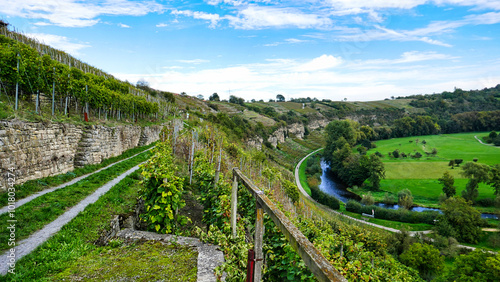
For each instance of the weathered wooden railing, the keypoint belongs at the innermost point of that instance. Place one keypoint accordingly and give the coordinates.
(312, 258)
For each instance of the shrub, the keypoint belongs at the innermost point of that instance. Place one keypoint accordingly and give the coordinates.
(323, 198)
(424, 258)
(486, 202)
(395, 153)
(291, 190)
(368, 199)
(388, 199)
(395, 215)
(405, 199)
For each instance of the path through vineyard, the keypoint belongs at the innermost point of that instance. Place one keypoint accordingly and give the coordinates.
(77, 179)
(29, 244)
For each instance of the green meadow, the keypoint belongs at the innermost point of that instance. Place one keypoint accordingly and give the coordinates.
(420, 174)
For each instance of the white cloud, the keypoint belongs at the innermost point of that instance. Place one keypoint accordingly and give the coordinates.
(409, 4)
(287, 41)
(123, 25)
(329, 78)
(73, 13)
(162, 25)
(195, 61)
(213, 18)
(259, 17)
(321, 63)
(59, 42)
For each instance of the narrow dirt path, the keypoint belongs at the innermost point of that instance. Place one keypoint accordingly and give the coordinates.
(38, 194)
(27, 245)
(480, 141)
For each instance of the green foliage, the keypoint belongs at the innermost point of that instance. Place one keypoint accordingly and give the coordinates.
(351, 169)
(405, 199)
(494, 178)
(38, 72)
(368, 199)
(323, 198)
(478, 265)
(459, 220)
(291, 190)
(399, 242)
(477, 173)
(401, 215)
(424, 258)
(447, 181)
(162, 192)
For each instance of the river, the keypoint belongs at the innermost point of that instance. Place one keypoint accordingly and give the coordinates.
(333, 187)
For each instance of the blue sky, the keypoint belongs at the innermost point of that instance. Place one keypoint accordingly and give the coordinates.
(331, 49)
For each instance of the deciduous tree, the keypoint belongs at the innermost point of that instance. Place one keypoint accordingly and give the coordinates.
(447, 181)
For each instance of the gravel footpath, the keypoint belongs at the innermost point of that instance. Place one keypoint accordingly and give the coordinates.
(27, 245)
(36, 195)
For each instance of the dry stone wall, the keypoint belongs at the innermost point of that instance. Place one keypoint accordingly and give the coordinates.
(36, 150)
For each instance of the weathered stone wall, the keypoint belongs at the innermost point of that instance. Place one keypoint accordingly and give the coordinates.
(36, 150)
(100, 142)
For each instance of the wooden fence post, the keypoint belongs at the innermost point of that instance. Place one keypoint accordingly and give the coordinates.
(258, 240)
(234, 205)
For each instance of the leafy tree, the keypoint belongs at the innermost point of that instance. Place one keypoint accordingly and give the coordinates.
(477, 265)
(476, 173)
(400, 242)
(494, 178)
(459, 220)
(214, 97)
(395, 153)
(424, 258)
(405, 199)
(447, 181)
(236, 100)
(376, 171)
(280, 98)
(493, 135)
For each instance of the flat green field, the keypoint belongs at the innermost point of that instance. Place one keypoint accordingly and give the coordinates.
(420, 175)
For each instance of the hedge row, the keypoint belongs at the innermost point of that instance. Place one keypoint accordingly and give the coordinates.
(401, 215)
(323, 198)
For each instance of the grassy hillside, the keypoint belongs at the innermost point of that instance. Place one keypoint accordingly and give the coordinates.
(420, 174)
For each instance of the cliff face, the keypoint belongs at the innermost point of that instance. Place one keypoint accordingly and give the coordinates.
(36, 150)
(279, 136)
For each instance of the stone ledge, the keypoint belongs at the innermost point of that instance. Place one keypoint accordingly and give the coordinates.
(208, 255)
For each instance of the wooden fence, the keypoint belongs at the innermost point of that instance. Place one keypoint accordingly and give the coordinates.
(312, 258)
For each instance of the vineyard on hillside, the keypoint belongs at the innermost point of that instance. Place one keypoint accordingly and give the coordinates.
(32, 73)
(201, 156)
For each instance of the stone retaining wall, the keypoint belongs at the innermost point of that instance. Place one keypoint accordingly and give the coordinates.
(36, 150)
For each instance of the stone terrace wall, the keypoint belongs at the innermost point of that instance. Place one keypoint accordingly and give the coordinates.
(37, 150)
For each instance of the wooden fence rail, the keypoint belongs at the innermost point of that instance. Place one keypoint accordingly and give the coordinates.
(312, 258)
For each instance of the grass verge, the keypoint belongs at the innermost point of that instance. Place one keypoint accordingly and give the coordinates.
(32, 186)
(76, 239)
(143, 261)
(37, 213)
